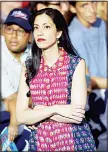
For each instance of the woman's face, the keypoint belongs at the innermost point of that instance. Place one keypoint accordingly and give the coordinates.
(45, 32)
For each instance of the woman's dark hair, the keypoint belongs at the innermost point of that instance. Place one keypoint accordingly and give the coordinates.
(60, 23)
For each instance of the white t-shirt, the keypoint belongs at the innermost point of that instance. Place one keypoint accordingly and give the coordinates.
(10, 70)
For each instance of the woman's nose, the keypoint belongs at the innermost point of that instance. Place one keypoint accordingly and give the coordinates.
(40, 32)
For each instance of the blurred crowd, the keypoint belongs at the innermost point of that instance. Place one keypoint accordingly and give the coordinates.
(64, 7)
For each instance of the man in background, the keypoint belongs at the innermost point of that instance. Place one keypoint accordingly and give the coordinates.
(89, 37)
(15, 48)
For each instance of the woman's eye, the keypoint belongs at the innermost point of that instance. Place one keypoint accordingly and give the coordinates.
(35, 28)
(47, 27)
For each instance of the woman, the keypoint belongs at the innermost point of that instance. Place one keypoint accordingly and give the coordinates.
(56, 79)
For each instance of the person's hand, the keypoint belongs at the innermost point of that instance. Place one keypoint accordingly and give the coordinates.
(32, 127)
(74, 112)
(8, 149)
(12, 131)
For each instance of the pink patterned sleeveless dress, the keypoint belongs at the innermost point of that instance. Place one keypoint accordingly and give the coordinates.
(52, 85)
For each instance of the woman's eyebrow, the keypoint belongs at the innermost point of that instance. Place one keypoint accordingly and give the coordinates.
(42, 24)
(36, 25)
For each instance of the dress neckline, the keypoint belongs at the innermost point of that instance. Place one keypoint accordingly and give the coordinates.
(54, 65)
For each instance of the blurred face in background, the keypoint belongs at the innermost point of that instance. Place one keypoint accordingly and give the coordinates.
(6, 7)
(16, 38)
(63, 7)
(86, 12)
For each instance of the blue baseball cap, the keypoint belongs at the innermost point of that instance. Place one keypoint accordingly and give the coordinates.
(19, 16)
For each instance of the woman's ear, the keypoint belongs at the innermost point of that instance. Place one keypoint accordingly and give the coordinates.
(59, 33)
(72, 9)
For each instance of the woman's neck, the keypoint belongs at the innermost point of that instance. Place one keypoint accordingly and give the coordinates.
(51, 55)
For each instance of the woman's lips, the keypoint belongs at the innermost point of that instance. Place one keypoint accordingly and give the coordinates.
(40, 40)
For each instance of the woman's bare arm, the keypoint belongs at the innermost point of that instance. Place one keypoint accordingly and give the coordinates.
(76, 109)
(23, 113)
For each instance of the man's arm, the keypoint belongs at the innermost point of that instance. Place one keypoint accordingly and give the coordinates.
(99, 83)
(12, 108)
(10, 103)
